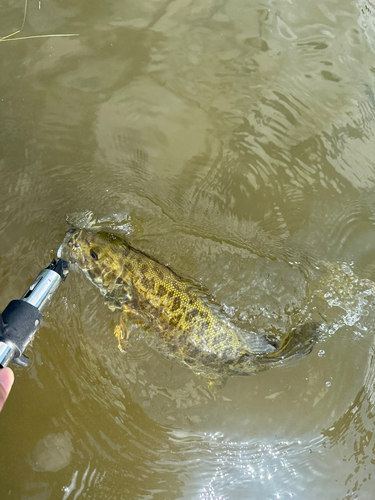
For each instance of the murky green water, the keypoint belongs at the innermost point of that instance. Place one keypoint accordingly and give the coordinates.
(234, 141)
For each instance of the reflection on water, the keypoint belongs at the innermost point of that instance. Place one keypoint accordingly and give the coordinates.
(233, 141)
(52, 453)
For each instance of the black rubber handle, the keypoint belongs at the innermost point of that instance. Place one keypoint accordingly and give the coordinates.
(18, 324)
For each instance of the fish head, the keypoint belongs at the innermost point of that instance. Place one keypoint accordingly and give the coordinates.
(100, 255)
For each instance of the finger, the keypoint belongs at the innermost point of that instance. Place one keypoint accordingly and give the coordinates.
(6, 382)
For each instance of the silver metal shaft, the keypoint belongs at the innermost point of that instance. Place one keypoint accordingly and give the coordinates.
(6, 354)
(41, 291)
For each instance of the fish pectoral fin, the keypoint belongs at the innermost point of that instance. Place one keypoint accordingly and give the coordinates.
(122, 335)
(131, 315)
(123, 329)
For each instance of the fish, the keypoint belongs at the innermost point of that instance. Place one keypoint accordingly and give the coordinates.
(180, 319)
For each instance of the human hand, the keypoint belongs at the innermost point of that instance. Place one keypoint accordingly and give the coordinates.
(6, 382)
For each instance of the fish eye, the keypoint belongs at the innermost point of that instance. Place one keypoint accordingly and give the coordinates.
(93, 255)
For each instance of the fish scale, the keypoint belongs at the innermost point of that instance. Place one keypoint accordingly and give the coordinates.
(188, 326)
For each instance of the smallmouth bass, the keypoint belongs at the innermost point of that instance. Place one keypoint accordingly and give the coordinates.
(186, 324)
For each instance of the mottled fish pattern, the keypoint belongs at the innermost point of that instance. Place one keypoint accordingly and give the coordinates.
(186, 324)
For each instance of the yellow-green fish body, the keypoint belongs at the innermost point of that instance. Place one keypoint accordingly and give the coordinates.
(186, 324)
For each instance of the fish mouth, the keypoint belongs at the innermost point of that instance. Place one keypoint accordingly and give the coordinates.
(69, 247)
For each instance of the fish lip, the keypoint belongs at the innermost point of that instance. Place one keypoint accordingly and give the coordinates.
(67, 248)
(74, 265)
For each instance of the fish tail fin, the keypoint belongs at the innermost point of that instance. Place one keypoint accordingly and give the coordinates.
(259, 344)
(298, 344)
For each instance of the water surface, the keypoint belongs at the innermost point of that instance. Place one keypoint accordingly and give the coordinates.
(234, 141)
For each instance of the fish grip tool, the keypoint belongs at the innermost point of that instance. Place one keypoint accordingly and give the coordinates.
(22, 318)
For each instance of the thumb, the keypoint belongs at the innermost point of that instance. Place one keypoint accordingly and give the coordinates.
(6, 382)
